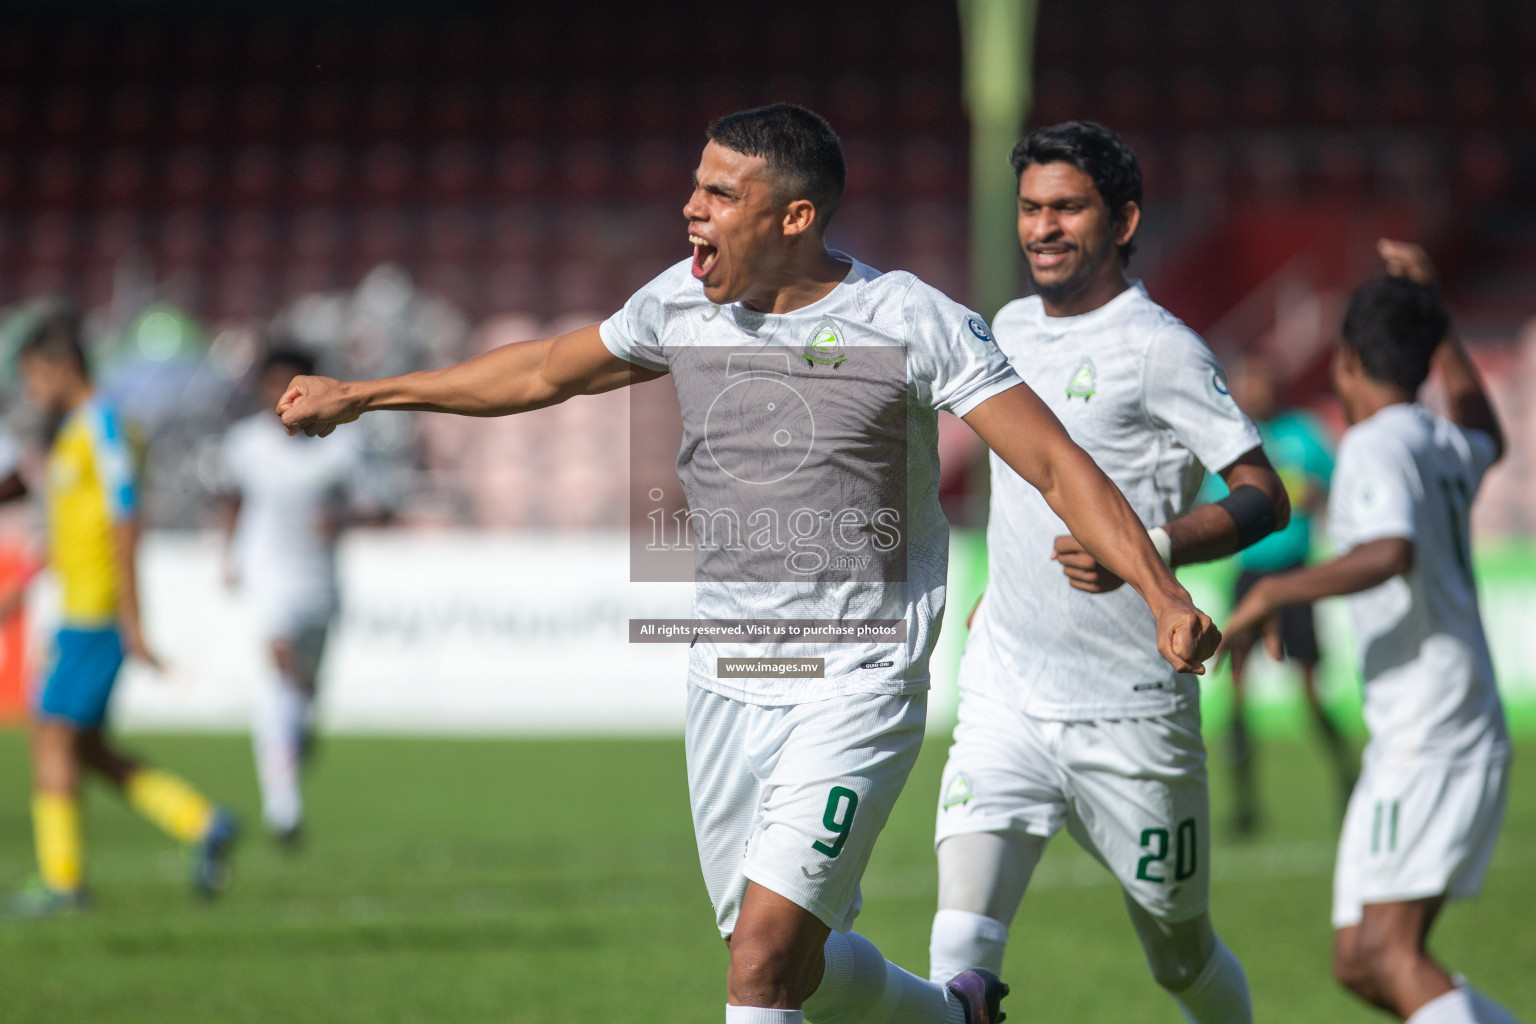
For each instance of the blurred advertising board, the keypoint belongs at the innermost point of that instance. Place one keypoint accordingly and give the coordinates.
(453, 632)
(520, 633)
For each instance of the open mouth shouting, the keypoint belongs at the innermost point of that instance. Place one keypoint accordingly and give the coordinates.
(704, 256)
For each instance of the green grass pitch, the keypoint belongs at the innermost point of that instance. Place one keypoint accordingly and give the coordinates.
(530, 881)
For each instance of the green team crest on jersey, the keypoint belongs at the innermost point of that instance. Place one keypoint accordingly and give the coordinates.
(1084, 381)
(825, 347)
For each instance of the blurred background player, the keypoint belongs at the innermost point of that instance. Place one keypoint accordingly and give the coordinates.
(286, 500)
(1297, 445)
(93, 531)
(1423, 821)
(1068, 715)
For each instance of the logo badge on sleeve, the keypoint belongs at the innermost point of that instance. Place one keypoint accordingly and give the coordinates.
(1084, 382)
(979, 329)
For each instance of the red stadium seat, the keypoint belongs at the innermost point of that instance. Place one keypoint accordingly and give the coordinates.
(51, 238)
(188, 174)
(121, 175)
(456, 110)
(114, 235)
(657, 169)
(195, 110)
(242, 290)
(324, 112)
(141, 49)
(130, 112)
(56, 176)
(518, 232)
(183, 237)
(390, 109)
(315, 234)
(585, 170)
(388, 171)
(320, 171)
(260, 111)
(13, 112)
(66, 111)
(451, 233)
(248, 235)
(454, 170)
(520, 170)
(868, 171)
(204, 49)
(255, 173)
(383, 235)
(1263, 97)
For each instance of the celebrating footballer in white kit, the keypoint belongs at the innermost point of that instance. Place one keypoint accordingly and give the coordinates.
(1424, 818)
(1068, 715)
(791, 779)
(285, 500)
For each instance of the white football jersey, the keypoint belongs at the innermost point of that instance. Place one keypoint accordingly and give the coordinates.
(936, 354)
(1143, 395)
(1429, 682)
(289, 488)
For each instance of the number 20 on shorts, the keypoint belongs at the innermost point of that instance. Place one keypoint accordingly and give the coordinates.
(837, 820)
(1155, 841)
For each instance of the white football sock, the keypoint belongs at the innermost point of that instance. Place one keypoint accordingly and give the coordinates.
(961, 941)
(859, 986)
(1454, 1007)
(761, 1015)
(1485, 1010)
(278, 733)
(1220, 994)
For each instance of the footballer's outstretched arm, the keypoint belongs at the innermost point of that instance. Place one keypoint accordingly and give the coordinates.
(1368, 565)
(1256, 506)
(1465, 397)
(513, 378)
(1027, 436)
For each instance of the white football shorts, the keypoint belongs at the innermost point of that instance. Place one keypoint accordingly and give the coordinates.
(1418, 830)
(1131, 791)
(792, 796)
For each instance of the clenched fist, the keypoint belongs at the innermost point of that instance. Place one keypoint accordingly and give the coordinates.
(316, 406)
(1186, 637)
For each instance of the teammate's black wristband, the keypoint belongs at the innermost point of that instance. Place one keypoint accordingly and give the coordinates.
(1252, 511)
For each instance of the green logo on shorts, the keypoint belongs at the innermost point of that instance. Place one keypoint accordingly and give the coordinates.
(957, 792)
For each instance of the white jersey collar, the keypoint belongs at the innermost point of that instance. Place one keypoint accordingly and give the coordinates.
(1134, 292)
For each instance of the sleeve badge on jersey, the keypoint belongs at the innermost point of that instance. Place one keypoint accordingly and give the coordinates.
(1220, 385)
(979, 329)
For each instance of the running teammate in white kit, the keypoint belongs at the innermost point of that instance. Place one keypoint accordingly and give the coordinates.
(286, 500)
(1068, 716)
(792, 779)
(1425, 815)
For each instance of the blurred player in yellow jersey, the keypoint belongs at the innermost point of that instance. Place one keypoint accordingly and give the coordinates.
(93, 529)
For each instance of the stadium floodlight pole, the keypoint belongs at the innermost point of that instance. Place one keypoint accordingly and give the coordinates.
(998, 42)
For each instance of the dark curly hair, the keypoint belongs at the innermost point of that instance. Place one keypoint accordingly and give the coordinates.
(1097, 152)
(1395, 325)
